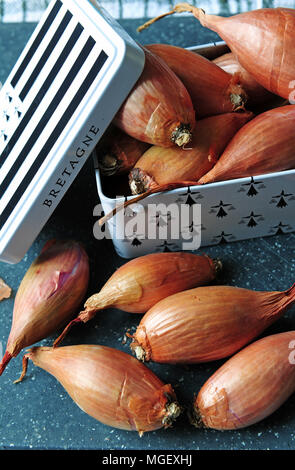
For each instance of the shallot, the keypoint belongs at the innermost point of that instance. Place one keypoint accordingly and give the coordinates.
(118, 152)
(256, 93)
(248, 387)
(48, 296)
(212, 90)
(159, 166)
(206, 323)
(109, 385)
(262, 40)
(139, 284)
(264, 145)
(159, 109)
(159, 170)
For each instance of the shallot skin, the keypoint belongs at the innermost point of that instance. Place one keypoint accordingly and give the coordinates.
(248, 387)
(109, 385)
(51, 290)
(206, 323)
(158, 110)
(212, 90)
(5, 290)
(263, 145)
(142, 282)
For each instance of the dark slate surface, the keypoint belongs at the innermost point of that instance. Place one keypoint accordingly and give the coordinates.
(38, 413)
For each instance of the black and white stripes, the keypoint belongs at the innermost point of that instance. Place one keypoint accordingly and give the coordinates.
(50, 81)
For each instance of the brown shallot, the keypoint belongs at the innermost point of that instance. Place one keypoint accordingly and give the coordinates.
(264, 145)
(256, 93)
(212, 90)
(262, 40)
(118, 152)
(248, 387)
(159, 166)
(140, 283)
(159, 109)
(159, 170)
(49, 293)
(206, 323)
(109, 385)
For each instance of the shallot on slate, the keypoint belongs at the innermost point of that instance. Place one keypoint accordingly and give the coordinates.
(139, 284)
(49, 294)
(109, 385)
(248, 387)
(206, 323)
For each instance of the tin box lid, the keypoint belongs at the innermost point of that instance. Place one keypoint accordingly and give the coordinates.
(67, 85)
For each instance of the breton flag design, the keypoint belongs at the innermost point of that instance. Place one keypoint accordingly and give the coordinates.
(40, 97)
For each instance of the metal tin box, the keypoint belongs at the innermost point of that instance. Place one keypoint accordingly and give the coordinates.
(69, 82)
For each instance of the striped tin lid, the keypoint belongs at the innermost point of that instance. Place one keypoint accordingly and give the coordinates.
(63, 92)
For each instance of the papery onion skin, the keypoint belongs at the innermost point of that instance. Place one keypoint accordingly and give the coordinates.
(111, 386)
(262, 40)
(159, 166)
(159, 109)
(264, 145)
(5, 290)
(140, 283)
(212, 90)
(206, 323)
(49, 294)
(248, 387)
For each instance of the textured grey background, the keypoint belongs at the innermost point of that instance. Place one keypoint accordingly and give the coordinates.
(38, 413)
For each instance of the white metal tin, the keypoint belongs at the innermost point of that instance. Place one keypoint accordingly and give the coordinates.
(69, 82)
(233, 210)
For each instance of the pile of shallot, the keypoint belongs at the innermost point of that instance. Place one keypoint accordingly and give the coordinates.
(185, 319)
(193, 121)
(188, 119)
